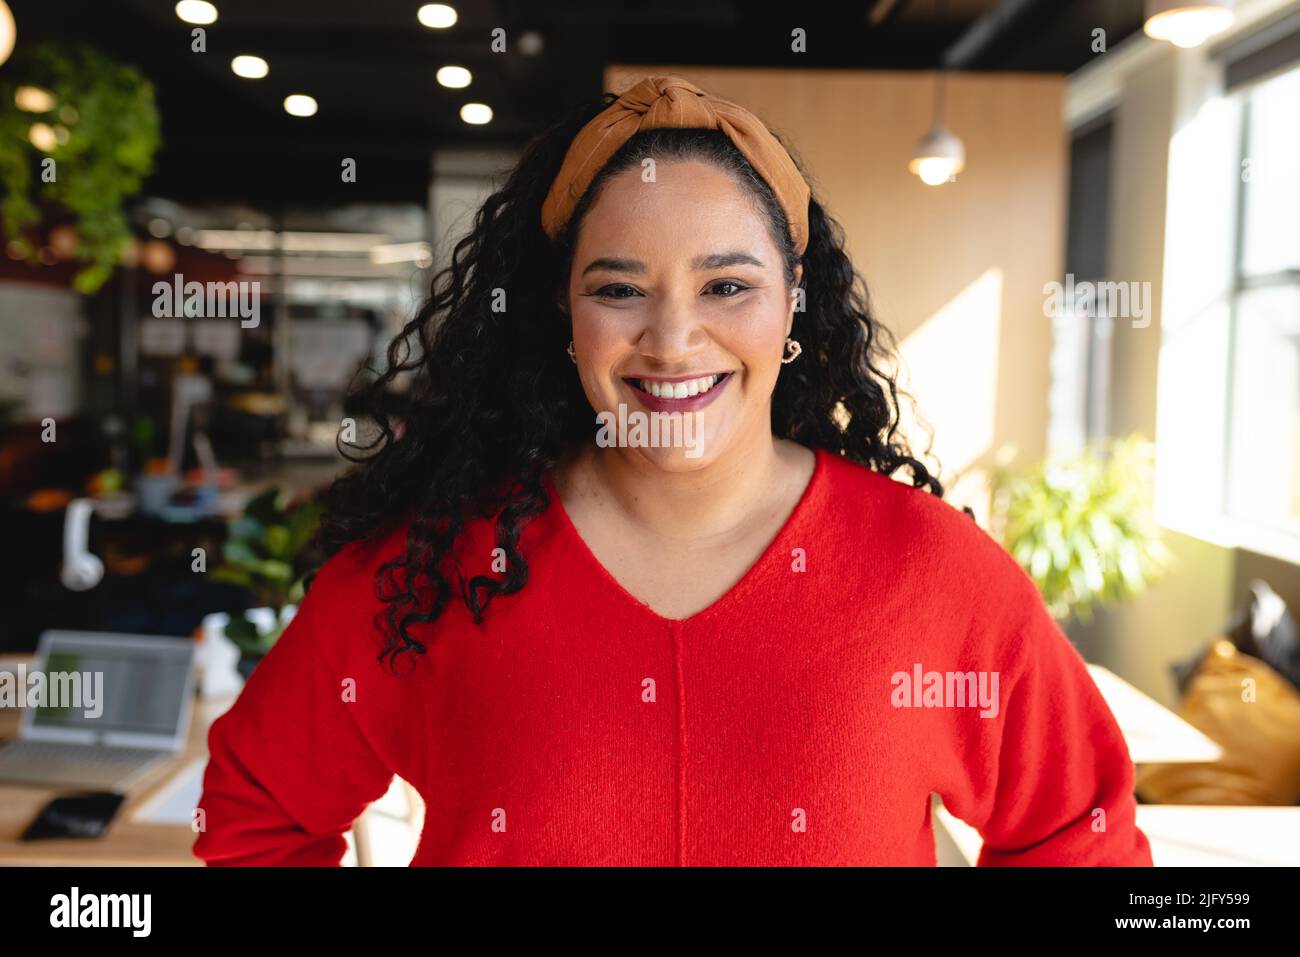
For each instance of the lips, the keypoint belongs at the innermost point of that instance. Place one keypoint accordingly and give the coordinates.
(677, 393)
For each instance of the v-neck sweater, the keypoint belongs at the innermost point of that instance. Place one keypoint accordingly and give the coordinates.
(883, 648)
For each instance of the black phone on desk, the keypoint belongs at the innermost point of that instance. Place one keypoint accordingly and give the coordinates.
(75, 815)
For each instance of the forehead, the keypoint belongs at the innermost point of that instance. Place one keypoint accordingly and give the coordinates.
(675, 210)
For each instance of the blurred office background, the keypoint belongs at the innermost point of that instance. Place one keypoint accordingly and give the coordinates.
(1138, 451)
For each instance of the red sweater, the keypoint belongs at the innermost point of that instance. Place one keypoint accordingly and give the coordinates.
(776, 727)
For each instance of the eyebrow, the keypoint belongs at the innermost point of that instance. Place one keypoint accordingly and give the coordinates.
(722, 260)
(713, 261)
(615, 265)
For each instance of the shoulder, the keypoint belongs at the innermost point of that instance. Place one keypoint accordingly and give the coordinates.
(352, 570)
(351, 584)
(916, 534)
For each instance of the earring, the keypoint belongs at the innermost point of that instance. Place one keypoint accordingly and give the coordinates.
(572, 355)
(792, 351)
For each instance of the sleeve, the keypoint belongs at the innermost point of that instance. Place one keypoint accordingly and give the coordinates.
(1059, 784)
(289, 768)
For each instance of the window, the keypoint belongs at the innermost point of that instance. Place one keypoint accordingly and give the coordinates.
(1080, 358)
(1262, 455)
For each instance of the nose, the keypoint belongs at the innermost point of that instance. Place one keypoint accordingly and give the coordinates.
(673, 331)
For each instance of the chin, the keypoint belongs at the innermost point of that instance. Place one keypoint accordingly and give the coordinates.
(675, 459)
(673, 442)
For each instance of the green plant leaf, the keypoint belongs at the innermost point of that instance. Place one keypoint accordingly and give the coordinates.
(279, 572)
(230, 573)
(278, 541)
(1082, 525)
(240, 553)
(264, 507)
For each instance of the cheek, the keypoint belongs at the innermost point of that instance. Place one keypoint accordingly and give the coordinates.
(599, 336)
(601, 342)
(755, 334)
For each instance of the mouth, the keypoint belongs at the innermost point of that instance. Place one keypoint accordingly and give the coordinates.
(678, 393)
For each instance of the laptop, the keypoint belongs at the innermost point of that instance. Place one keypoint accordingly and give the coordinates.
(114, 707)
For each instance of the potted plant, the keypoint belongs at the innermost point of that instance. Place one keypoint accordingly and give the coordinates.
(78, 134)
(266, 552)
(1082, 525)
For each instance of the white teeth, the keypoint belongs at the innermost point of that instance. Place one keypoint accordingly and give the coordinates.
(680, 390)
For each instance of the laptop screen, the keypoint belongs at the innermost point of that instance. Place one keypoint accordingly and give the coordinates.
(113, 684)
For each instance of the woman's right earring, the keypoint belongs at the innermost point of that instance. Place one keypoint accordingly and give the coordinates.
(572, 355)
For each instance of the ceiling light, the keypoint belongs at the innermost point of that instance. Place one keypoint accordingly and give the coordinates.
(196, 11)
(419, 253)
(938, 157)
(8, 32)
(530, 43)
(299, 104)
(476, 113)
(249, 67)
(33, 99)
(1187, 23)
(456, 77)
(437, 16)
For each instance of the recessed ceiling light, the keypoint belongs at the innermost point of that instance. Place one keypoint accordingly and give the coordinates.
(196, 11)
(530, 43)
(456, 77)
(249, 67)
(437, 16)
(299, 104)
(476, 113)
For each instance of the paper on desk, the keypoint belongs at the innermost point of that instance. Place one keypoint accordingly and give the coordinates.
(175, 801)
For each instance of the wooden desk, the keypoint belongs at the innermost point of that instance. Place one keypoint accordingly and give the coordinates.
(127, 842)
(1153, 733)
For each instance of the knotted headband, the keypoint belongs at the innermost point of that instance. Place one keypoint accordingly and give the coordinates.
(659, 102)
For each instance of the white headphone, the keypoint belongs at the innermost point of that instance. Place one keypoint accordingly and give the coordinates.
(81, 570)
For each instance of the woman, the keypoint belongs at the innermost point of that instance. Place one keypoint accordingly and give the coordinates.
(629, 583)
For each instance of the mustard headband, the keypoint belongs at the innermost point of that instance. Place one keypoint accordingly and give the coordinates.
(660, 102)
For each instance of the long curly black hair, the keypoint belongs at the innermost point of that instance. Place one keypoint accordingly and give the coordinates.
(491, 400)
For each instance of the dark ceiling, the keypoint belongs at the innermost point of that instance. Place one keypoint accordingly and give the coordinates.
(370, 65)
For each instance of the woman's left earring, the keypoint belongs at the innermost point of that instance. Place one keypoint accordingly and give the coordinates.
(572, 355)
(792, 351)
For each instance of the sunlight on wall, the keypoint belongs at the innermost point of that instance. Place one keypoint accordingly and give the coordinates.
(950, 365)
(1192, 380)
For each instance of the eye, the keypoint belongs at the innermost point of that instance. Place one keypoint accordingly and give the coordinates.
(726, 288)
(617, 290)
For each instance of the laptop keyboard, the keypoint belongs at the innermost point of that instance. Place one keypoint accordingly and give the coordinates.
(54, 762)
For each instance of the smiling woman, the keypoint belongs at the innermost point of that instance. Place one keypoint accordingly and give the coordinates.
(626, 653)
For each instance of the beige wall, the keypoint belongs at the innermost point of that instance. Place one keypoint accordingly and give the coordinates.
(956, 272)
